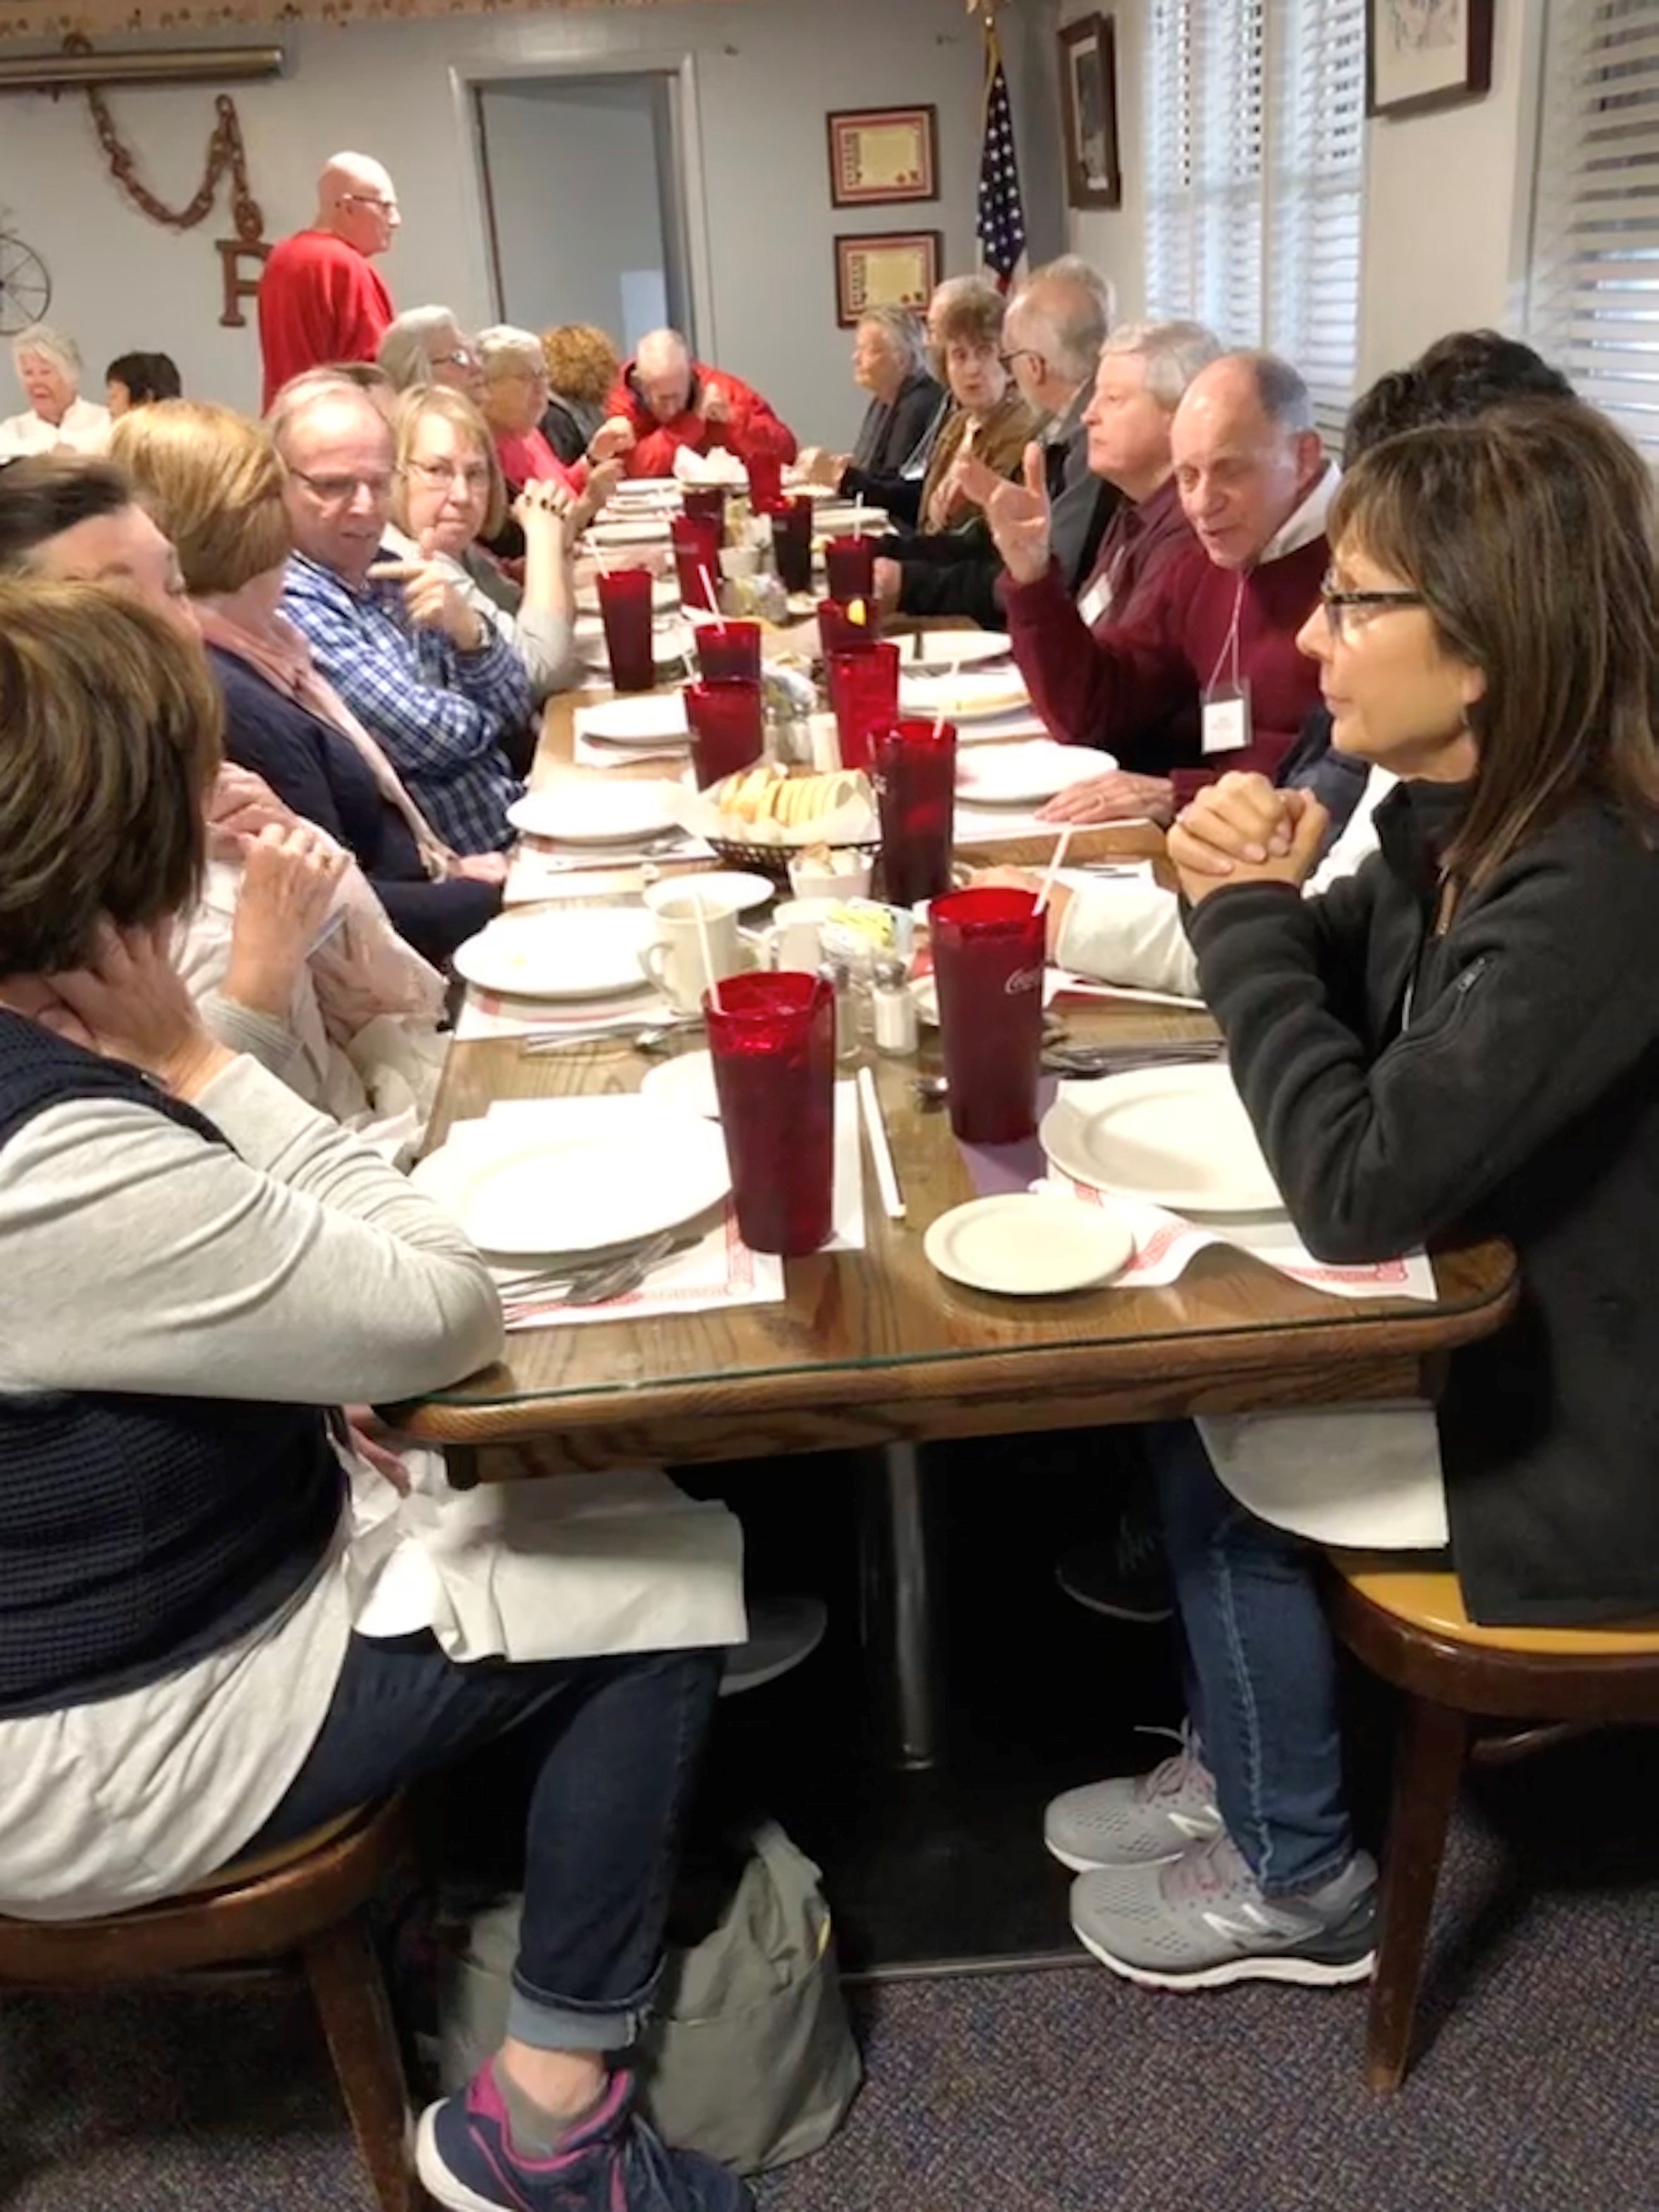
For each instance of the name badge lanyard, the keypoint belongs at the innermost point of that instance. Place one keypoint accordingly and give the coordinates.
(1226, 716)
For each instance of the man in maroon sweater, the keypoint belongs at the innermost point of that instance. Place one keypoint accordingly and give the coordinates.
(320, 298)
(1204, 674)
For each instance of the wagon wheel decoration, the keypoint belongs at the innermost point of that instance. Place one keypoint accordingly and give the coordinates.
(25, 285)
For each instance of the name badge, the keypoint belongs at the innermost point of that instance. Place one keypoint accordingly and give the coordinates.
(1096, 602)
(1226, 726)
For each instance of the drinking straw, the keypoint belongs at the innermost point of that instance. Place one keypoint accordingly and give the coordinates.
(1061, 844)
(947, 695)
(701, 917)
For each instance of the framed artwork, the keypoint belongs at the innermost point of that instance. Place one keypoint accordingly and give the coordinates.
(896, 269)
(1088, 94)
(1424, 54)
(880, 155)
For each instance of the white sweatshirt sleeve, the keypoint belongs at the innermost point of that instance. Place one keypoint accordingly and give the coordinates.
(1128, 933)
(290, 1263)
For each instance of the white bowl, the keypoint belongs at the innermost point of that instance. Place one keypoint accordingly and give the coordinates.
(809, 881)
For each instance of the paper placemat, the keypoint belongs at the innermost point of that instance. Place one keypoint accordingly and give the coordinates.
(486, 1014)
(720, 1271)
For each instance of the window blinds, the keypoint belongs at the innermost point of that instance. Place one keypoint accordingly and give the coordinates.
(1256, 122)
(1594, 292)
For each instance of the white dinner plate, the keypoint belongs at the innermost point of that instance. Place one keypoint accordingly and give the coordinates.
(592, 812)
(1026, 1246)
(939, 651)
(1173, 1136)
(685, 1084)
(649, 719)
(589, 952)
(731, 887)
(590, 1182)
(977, 694)
(630, 530)
(842, 519)
(671, 640)
(1024, 775)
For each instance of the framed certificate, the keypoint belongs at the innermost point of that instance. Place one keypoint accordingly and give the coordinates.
(881, 155)
(897, 269)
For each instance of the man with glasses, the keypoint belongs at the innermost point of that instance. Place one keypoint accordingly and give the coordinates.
(320, 298)
(440, 686)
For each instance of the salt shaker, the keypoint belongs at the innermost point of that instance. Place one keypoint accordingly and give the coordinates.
(840, 973)
(894, 1010)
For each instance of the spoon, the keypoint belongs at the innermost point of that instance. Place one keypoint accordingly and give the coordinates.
(931, 1090)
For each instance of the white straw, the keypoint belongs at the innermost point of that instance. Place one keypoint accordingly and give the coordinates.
(947, 695)
(708, 586)
(881, 1156)
(701, 920)
(1061, 844)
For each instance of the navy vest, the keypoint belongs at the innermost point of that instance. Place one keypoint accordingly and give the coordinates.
(139, 1533)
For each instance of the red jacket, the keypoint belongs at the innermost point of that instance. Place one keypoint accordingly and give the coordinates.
(750, 427)
(1134, 687)
(320, 301)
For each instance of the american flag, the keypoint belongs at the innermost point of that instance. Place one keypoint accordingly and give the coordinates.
(1001, 210)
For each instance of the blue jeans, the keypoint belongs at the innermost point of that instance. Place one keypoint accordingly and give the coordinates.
(614, 1746)
(1261, 1670)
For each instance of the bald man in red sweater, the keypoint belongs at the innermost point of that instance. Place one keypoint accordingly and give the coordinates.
(320, 298)
(668, 400)
(1204, 676)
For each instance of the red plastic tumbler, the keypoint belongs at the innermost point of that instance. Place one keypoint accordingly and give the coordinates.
(863, 697)
(729, 652)
(849, 568)
(728, 728)
(772, 1040)
(792, 542)
(625, 611)
(916, 778)
(697, 560)
(988, 948)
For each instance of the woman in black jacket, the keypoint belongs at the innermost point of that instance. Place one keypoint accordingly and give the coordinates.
(1463, 1036)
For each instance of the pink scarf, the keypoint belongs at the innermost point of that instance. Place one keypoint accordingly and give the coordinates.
(282, 655)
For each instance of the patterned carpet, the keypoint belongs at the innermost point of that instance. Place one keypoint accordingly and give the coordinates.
(1057, 2091)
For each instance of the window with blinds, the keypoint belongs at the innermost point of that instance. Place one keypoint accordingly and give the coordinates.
(1255, 143)
(1593, 298)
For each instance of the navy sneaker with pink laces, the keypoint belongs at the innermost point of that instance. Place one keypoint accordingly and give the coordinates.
(612, 2161)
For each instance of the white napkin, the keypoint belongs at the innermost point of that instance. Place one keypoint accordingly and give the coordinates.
(1166, 1244)
(1067, 983)
(570, 1567)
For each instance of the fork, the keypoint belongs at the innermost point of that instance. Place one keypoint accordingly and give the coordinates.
(576, 1283)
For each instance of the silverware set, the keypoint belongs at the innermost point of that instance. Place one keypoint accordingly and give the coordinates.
(1082, 1063)
(647, 1037)
(592, 1281)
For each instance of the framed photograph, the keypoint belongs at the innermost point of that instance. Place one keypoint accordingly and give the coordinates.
(880, 155)
(1088, 95)
(1424, 54)
(897, 269)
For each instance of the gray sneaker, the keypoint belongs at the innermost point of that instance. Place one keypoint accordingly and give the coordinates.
(1202, 1921)
(1141, 1819)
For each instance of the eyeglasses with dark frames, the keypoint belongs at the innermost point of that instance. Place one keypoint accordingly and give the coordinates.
(1336, 603)
(335, 490)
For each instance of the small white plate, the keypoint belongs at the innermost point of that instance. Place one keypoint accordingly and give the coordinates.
(730, 887)
(975, 695)
(939, 651)
(1025, 774)
(630, 530)
(649, 720)
(592, 813)
(589, 952)
(588, 1181)
(1027, 1246)
(1176, 1136)
(684, 1085)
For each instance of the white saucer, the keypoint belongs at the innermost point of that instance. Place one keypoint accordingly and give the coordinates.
(1024, 1245)
(592, 812)
(731, 887)
(685, 1084)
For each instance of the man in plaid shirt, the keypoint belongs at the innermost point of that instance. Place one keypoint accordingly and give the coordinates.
(439, 687)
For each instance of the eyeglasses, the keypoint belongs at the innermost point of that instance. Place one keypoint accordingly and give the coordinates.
(1020, 353)
(334, 491)
(446, 472)
(373, 200)
(462, 358)
(1337, 604)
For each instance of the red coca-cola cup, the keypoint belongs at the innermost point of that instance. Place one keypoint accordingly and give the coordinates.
(988, 951)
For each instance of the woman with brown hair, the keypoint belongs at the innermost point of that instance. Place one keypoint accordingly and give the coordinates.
(449, 492)
(582, 365)
(1463, 1036)
(214, 483)
(200, 1271)
(991, 421)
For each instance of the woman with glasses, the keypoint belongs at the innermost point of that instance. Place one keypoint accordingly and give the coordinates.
(1463, 1037)
(991, 422)
(448, 493)
(213, 482)
(427, 345)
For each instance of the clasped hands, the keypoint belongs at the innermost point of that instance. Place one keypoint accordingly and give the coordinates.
(1243, 829)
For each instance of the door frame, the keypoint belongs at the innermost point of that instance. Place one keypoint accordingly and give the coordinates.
(468, 79)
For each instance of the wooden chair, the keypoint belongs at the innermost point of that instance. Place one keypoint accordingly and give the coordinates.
(306, 1900)
(1410, 1627)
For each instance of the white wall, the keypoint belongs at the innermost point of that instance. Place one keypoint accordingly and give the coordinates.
(765, 74)
(1447, 200)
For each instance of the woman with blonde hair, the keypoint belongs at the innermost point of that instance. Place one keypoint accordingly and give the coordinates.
(448, 493)
(201, 1271)
(213, 481)
(1462, 1039)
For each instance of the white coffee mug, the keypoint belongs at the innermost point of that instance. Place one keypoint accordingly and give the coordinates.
(676, 962)
(793, 940)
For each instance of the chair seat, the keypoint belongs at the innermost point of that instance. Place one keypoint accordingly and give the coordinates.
(264, 1863)
(1433, 1602)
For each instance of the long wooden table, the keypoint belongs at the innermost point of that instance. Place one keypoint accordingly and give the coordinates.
(874, 1349)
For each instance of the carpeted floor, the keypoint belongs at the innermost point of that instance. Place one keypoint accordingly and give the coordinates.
(1050, 2092)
